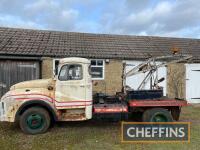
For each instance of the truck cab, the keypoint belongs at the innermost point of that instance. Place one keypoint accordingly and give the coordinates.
(66, 97)
(73, 89)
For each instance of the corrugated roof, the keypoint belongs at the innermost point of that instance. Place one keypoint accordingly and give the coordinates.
(44, 43)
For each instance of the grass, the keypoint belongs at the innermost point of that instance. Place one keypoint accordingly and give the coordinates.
(91, 135)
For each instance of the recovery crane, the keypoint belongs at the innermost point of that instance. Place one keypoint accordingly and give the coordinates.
(68, 97)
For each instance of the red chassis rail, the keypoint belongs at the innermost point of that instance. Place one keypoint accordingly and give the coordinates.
(110, 108)
(157, 103)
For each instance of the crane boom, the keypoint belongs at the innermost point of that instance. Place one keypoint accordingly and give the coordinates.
(150, 64)
(151, 67)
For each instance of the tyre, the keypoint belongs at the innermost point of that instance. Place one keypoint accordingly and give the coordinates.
(157, 115)
(35, 120)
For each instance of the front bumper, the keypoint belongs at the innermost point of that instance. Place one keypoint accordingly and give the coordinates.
(2, 112)
(6, 113)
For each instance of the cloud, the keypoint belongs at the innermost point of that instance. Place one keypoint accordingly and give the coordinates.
(158, 19)
(52, 14)
(138, 17)
(48, 14)
(14, 22)
(135, 5)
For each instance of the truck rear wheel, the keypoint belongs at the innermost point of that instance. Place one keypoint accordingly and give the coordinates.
(157, 115)
(35, 120)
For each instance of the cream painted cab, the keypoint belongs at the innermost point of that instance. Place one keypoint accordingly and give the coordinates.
(74, 87)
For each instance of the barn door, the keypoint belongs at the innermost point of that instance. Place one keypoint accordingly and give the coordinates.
(12, 72)
(193, 83)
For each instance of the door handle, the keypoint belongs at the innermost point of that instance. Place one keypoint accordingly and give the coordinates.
(82, 85)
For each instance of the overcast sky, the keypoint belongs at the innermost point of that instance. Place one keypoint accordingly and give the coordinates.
(177, 18)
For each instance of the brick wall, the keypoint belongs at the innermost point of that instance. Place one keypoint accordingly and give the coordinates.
(176, 84)
(47, 67)
(112, 82)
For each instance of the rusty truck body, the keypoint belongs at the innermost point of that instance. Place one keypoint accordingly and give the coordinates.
(68, 97)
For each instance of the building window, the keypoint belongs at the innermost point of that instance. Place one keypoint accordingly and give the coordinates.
(97, 69)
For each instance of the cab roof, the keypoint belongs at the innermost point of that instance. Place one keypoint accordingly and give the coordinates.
(74, 60)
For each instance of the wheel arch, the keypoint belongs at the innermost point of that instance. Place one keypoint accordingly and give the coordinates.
(34, 103)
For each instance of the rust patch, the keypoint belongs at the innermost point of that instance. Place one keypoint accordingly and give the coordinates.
(11, 112)
(71, 115)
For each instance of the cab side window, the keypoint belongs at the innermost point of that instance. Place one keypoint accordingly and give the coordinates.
(71, 72)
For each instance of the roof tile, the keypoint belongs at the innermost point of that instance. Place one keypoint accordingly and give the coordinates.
(64, 44)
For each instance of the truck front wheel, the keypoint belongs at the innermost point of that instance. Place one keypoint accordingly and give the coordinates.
(34, 120)
(157, 115)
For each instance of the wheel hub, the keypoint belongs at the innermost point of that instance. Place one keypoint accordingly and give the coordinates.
(35, 121)
(159, 118)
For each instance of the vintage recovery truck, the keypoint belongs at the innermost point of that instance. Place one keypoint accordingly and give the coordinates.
(68, 97)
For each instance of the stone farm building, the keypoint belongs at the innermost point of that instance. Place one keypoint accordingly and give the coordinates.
(32, 54)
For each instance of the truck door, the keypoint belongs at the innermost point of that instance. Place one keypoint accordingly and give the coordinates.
(71, 87)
